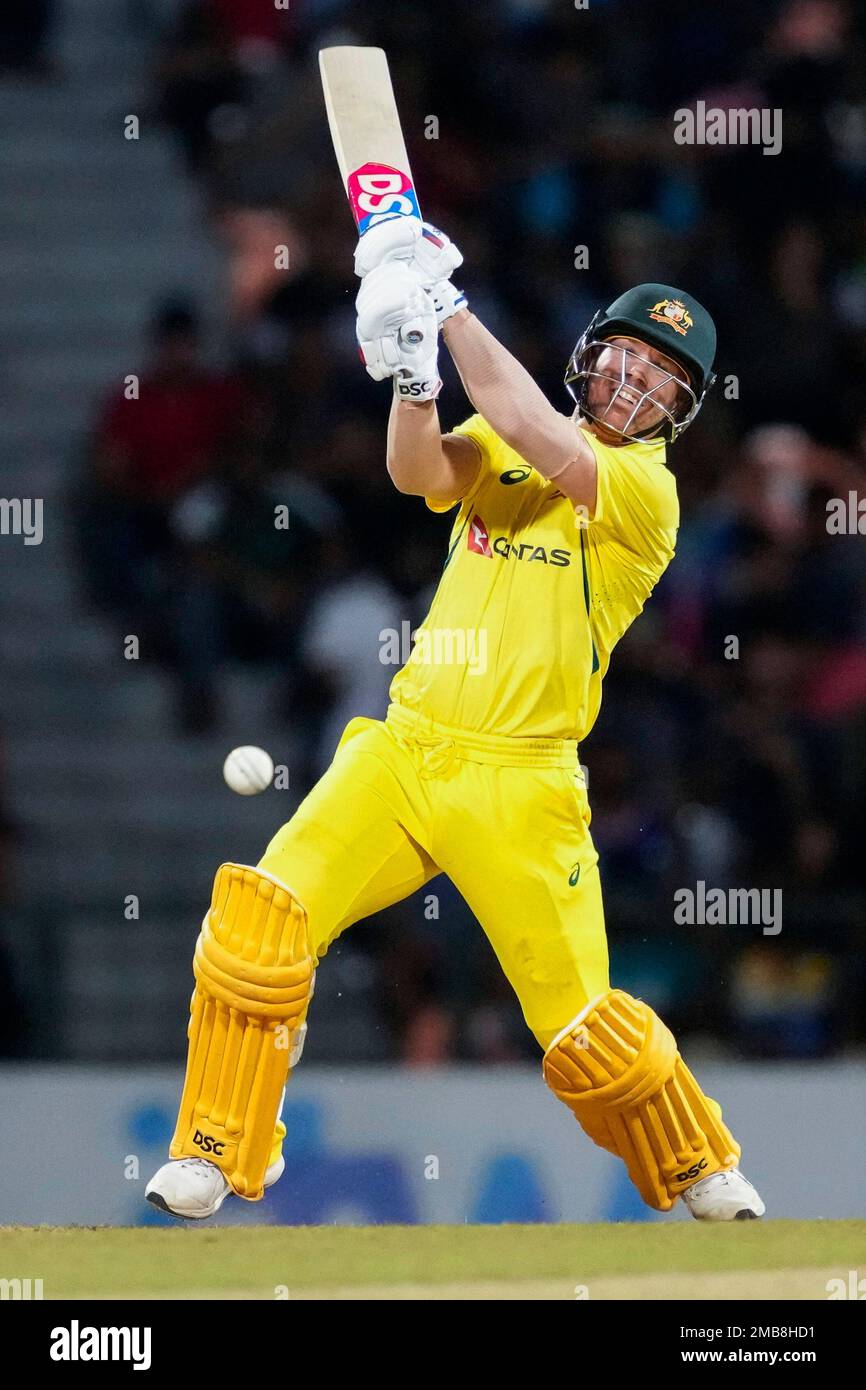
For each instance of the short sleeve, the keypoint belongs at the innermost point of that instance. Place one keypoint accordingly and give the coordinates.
(478, 430)
(637, 497)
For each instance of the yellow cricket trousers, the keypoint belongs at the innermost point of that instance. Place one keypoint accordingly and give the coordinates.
(507, 819)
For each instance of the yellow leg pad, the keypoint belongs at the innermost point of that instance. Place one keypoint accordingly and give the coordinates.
(253, 974)
(277, 1138)
(618, 1069)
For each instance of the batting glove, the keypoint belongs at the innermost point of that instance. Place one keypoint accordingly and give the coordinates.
(447, 300)
(397, 331)
(392, 240)
(431, 254)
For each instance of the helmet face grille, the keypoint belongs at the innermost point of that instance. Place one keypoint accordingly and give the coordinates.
(582, 372)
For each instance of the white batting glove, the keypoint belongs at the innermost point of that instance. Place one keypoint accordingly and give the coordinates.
(435, 258)
(435, 255)
(431, 254)
(393, 240)
(397, 331)
(447, 300)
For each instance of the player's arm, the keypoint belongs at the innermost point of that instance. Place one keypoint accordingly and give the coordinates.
(398, 338)
(504, 393)
(422, 461)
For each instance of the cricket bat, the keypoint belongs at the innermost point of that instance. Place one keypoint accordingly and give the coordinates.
(367, 136)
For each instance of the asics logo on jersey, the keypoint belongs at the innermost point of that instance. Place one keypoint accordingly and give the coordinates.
(478, 540)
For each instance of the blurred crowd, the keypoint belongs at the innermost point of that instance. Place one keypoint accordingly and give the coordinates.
(731, 747)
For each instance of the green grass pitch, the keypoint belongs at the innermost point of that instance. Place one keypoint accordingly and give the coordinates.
(752, 1260)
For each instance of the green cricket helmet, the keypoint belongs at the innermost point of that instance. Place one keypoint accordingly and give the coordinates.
(667, 319)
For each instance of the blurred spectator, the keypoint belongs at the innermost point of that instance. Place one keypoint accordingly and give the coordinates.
(244, 544)
(155, 438)
(428, 1041)
(198, 76)
(352, 626)
(218, 68)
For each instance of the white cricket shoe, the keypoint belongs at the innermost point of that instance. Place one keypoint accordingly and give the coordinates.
(195, 1188)
(726, 1196)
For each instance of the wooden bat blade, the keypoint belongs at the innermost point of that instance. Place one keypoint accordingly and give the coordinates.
(367, 135)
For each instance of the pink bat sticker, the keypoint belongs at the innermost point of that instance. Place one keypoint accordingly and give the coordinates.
(378, 193)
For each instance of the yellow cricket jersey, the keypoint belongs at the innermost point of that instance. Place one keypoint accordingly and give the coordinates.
(533, 598)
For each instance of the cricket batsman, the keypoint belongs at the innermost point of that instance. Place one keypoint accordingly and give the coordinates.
(564, 524)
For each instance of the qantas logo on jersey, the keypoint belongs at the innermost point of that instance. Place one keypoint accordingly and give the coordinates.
(478, 540)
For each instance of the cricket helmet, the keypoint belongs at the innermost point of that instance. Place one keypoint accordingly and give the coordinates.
(667, 319)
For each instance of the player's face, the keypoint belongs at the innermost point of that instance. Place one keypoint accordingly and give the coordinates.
(627, 369)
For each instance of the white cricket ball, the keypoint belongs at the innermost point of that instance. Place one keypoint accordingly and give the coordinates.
(248, 770)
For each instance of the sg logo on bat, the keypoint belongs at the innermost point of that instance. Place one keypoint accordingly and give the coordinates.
(377, 192)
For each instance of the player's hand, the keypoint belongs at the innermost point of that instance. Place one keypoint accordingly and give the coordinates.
(434, 260)
(391, 240)
(397, 331)
(447, 300)
(435, 256)
(431, 254)
(406, 239)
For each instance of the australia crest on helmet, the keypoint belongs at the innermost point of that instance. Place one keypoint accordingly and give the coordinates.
(674, 313)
